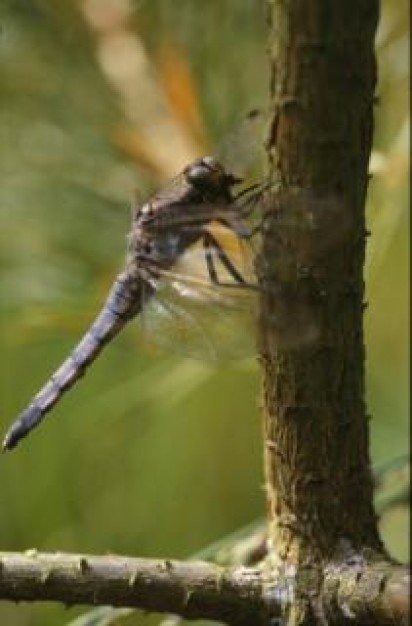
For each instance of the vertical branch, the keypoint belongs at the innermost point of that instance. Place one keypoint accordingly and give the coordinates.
(319, 485)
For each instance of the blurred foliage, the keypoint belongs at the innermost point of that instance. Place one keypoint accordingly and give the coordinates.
(101, 98)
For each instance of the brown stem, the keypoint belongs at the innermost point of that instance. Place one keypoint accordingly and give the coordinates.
(356, 586)
(191, 589)
(317, 465)
(318, 477)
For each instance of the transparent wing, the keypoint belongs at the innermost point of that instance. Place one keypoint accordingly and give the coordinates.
(205, 306)
(302, 229)
(243, 149)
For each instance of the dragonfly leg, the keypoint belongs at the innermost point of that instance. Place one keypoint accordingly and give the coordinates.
(254, 195)
(209, 261)
(247, 190)
(211, 244)
(243, 232)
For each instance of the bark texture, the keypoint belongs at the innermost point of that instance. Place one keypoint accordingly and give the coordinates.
(353, 592)
(318, 475)
(192, 589)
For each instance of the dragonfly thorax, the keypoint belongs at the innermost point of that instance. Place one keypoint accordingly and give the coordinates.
(160, 251)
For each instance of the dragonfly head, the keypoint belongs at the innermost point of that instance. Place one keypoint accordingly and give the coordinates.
(209, 176)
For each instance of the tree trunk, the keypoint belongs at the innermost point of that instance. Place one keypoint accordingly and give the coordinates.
(318, 478)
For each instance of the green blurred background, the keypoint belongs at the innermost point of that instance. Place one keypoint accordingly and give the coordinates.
(152, 454)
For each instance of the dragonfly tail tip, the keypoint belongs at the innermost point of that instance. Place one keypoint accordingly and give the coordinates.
(6, 444)
(11, 439)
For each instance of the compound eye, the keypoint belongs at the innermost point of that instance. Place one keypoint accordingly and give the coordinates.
(206, 168)
(198, 172)
(210, 162)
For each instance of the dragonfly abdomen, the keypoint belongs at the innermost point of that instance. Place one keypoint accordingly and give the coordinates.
(122, 304)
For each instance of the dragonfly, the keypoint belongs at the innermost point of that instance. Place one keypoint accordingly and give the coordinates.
(178, 218)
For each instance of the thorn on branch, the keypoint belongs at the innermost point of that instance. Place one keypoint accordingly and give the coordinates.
(84, 566)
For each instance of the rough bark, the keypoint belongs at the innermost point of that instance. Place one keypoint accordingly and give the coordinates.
(188, 588)
(319, 480)
(318, 476)
(353, 592)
